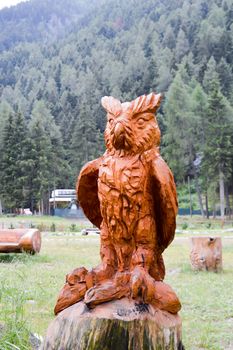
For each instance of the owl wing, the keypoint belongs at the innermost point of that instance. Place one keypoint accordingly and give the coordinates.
(165, 202)
(87, 191)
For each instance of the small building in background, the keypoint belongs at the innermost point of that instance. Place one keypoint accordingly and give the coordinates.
(63, 202)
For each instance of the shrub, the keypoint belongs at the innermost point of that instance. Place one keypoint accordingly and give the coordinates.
(73, 228)
(42, 227)
(208, 225)
(53, 227)
(185, 226)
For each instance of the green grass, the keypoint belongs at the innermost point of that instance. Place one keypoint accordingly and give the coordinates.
(30, 285)
(207, 302)
(58, 224)
(38, 278)
(43, 223)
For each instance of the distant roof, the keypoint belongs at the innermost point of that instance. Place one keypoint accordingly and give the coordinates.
(61, 199)
(63, 192)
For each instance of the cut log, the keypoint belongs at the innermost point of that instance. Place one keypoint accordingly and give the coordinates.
(206, 253)
(20, 240)
(117, 325)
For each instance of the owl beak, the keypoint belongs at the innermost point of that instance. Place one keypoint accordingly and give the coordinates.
(119, 136)
(118, 130)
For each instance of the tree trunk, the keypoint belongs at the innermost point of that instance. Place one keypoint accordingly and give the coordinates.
(214, 210)
(42, 205)
(117, 325)
(221, 194)
(190, 198)
(0, 207)
(198, 193)
(228, 206)
(206, 205)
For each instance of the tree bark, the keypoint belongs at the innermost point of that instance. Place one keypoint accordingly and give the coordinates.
(198, 193)
(206, 205)
(20, 240)
(214, 210)
(117, 325)
(190, 198)
(206, 253)
(228, 206)
(221, 194)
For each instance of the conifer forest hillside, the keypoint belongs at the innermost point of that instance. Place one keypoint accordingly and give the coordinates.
(58, 58)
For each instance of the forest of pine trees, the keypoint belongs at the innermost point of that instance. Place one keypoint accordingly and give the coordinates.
(57, 59)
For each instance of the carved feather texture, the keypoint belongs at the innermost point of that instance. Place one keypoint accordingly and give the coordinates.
(130, 194)
(165, 202)
(145, 103)
(111, 105)
(87, 191)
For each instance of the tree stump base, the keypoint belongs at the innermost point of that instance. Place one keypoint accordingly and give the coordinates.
(206, 254)
(116, 325)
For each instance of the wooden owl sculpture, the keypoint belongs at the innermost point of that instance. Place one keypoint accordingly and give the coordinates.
(130, 194)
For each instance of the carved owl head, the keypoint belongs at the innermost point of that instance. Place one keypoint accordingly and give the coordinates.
(132, 126)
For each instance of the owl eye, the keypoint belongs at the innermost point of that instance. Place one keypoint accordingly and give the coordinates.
(110, 120)
(140, 121)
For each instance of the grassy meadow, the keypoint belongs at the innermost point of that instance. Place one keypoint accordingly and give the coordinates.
(30, 284)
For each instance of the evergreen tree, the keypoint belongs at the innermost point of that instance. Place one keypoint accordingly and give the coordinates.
(56, 67)
(40, 175)
(226, 78)
(182, 46)
(47, 157)
(218, 149)
(199, 110)
(86, 144)
(5, 111)
(210, 74)
(7, 165)
(179, 139)
(13, 177)
(169, 39)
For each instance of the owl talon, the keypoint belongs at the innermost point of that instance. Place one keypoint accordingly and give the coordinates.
(77, 283)
(142, 285)
(156, 293)
(102, 272)
(110, 290)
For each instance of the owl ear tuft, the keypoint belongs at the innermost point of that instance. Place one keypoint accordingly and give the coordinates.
(111, 105)
(146, 103)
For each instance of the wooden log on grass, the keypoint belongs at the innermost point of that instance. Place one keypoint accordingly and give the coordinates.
(206, 253)
(20, 240)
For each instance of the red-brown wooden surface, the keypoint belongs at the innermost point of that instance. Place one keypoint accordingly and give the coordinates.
(130, 194)
(19, 240)
(206, 253)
